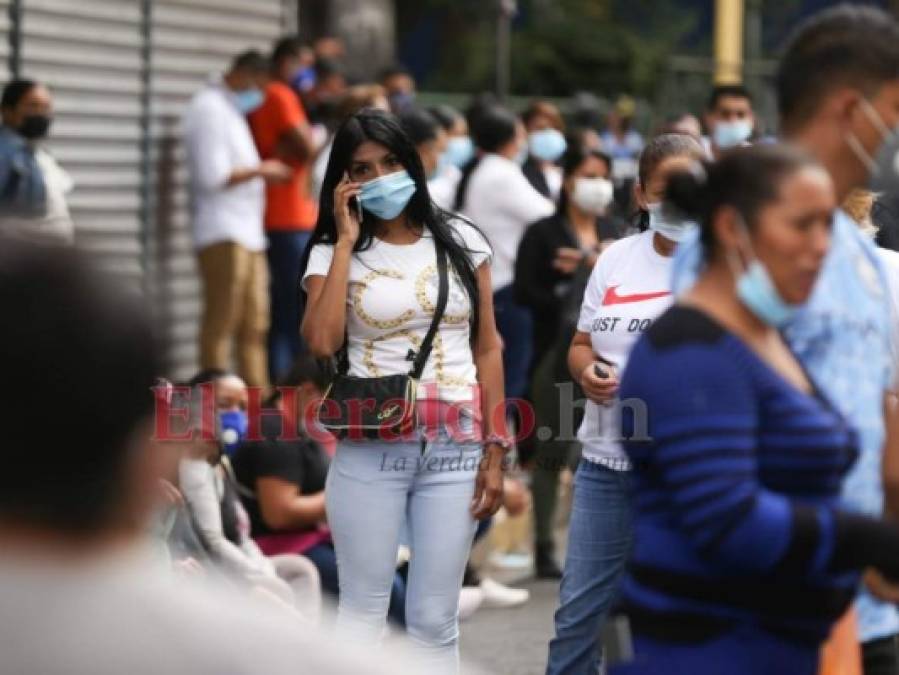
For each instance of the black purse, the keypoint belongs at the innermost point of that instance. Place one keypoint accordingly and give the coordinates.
(381, 407)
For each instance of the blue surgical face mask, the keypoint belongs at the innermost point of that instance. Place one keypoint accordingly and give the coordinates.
(883, 168)
(732, 134)
(672, 228)
(459, 150)
(232, 429)
(547, 144)
(247, 100)
(757, 292)
(387, 196)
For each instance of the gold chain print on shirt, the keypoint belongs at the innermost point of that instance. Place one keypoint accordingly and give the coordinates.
(394, 325)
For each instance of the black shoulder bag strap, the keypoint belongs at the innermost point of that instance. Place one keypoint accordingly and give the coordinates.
(421, 358)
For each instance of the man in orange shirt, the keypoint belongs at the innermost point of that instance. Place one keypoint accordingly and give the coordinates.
(281, 131)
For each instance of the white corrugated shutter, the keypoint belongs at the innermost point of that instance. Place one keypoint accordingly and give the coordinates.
(191, 39)
(88, 52)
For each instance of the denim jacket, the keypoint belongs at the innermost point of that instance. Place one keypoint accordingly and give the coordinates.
(22, 189)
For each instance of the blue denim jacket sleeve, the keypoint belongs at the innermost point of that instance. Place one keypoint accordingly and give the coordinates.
(22, 188)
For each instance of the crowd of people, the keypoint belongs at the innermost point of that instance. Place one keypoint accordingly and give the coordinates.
(701, 326)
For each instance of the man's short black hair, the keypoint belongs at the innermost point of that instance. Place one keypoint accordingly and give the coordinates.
(285, 48)
(847, 45)
(78, 360)
(15, 91)
(251, 61)
(728, 90)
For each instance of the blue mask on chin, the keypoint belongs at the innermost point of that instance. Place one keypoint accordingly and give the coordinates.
(232, 429)
(759, 294)
(248, 100)
(387, 196)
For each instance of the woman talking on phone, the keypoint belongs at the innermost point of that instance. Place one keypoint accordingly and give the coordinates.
(628, 289)
(397, 286)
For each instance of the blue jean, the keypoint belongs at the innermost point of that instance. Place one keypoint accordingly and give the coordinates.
(599, 539)
(373, 488)
(325, 560)
(516, 325)
(285, 252)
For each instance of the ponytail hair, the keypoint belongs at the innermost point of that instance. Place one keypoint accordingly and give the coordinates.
(746, 179)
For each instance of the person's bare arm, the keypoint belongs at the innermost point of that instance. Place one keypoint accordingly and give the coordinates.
(488, 356)
(324, 321)
(295, 144)
(284, 508)
(582, 362)
(270, 170)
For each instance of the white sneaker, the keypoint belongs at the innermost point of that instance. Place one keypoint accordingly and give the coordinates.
(497, 595)
(470, 599)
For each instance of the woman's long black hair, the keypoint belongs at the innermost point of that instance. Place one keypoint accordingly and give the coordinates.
(383, 128)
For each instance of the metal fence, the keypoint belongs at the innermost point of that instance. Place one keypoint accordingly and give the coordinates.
(121, 72)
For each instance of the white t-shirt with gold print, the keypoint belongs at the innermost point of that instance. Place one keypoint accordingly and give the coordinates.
(391, 295)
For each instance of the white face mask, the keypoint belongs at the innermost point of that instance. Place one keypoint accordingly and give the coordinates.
(592, 195)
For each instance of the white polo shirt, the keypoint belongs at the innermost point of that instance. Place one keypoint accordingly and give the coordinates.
(502, 202)
(217, 140)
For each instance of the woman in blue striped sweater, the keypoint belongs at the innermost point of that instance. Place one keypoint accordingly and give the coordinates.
(742, 557)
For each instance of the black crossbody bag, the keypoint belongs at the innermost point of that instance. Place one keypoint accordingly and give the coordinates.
(380, 407)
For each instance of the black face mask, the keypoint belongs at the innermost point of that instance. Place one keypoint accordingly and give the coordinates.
(35, 126)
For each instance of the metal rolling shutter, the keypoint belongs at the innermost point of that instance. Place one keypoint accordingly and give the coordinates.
(191, 39)
(5, 49)
(89, 53)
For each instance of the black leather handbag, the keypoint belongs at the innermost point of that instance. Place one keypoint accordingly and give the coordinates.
(381, 407)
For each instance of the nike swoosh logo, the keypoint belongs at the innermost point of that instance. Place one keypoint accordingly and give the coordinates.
(612, 298)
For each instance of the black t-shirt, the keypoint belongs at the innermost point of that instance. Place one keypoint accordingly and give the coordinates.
(303, 463)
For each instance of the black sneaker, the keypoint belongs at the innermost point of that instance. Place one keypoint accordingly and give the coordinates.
(545, 563)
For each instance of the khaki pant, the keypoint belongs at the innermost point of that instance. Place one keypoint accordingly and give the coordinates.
(235, 310)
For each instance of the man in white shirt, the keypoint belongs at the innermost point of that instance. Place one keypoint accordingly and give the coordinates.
(228, 201)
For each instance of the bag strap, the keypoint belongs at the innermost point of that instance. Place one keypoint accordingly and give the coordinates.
(418, 365)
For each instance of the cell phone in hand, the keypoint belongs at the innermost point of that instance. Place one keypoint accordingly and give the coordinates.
(599, 372)
(358, 207)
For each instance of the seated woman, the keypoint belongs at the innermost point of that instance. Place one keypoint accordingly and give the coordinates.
(743, 558)
(281, 482)
(210, 494)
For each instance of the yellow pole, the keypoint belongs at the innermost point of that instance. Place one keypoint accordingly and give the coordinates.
(728, 41)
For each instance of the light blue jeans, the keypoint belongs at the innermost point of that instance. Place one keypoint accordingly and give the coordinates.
(599, 541)
(373, 489)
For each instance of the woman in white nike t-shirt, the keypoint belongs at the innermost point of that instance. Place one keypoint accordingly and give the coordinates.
(373, 282)
(628, 289)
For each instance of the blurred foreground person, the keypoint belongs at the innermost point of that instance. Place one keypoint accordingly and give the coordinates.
(838, 87)
(33, 186)
(743, 555)
(83, 590)
(228, 199)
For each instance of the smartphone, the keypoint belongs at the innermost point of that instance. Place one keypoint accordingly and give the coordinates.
(599, 372)
(358, 207)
